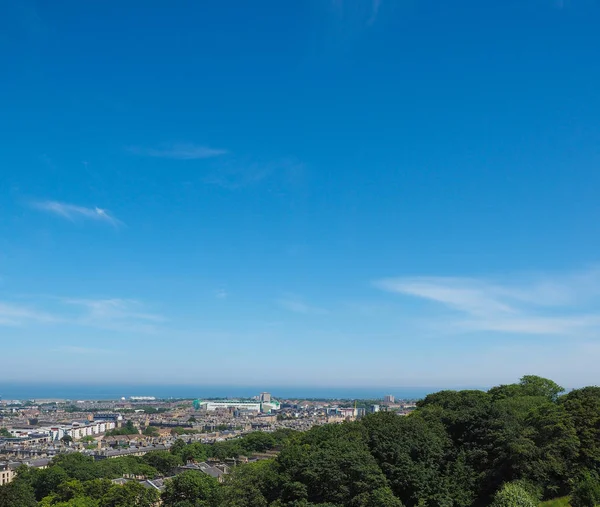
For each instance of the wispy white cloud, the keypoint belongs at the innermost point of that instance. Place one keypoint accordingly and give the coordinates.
(560, 305)
(73, 212)
(116, 314)
(221, 294)
(180, 151)
(234, 173)
(297, 305)
(12, 314)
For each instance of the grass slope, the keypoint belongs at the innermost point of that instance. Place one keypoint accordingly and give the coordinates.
(557, 502)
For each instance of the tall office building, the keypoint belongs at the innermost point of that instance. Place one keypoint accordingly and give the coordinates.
(389, 398)
(265, 397)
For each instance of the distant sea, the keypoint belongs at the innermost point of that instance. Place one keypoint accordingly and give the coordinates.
(12, 391)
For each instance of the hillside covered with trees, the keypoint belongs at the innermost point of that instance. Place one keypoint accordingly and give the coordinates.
(514, 445)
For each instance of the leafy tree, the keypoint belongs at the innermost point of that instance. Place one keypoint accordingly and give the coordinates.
(151, 431)
(382, 497)
(69, 490)
(97, 488)
(128, 429)
(513, 495)
(117, 467)
(257, 441)
(196, 451)
(163, 461)
(257, 484)
(586, 492)
(66, 439)
(46, 481)
(227, 449)
(532, 385)
(196, 488)
(177, 447)
(529, 385)
(76, 465)
(17, 493)
(556, 448)
(413, 453)
(80, 501)
(334, 463)
(130, 494)
(5, 433)
(583, 405)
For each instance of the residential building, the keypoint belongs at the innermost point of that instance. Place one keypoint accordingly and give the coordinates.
(6, 474)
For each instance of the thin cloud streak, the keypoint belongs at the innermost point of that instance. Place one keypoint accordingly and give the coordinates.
(17, 315)
(73, 212)
(116, 314)
(559, 305)
(298, 306)
(121, 315)
(183, 151)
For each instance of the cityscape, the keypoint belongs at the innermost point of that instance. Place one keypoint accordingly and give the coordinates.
(32, 432)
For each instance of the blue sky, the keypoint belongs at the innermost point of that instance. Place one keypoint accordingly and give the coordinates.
(340, 193)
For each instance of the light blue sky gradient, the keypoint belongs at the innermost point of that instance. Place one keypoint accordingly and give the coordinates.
(339, 193)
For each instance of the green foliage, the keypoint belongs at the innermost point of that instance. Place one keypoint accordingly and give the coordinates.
(529, 385)
(557, 502)
(178, 431)
(163, 461)
(253, 485)
(583, 405)
(5, 433)
(586, 492)
(194, 452)
(84, 468)
(191, 488)
(513, 495)
(128, 429)
(151, 431)
(17, 493)
(46, 481)
(532, 385)
(130, 494)
(177, 447)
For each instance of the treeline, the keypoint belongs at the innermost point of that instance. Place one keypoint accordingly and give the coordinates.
(514, 445)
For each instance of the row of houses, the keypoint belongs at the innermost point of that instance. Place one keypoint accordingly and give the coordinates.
(76, 430)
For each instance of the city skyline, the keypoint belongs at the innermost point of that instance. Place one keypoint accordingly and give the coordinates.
(346, 194)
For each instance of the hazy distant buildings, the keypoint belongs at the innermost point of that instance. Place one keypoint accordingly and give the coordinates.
(389, 398)
(255, 406)
(374, 408)
(265, 397)
(347, 412)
